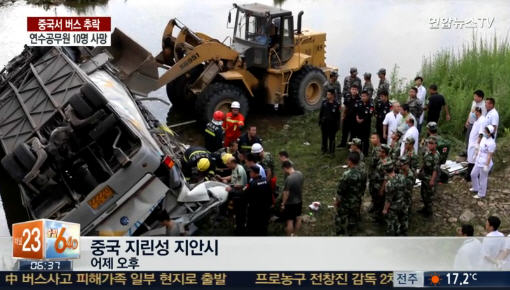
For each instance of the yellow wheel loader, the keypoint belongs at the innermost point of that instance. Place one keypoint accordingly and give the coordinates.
(267, 61)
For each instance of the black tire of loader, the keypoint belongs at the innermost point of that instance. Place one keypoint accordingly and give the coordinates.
(218, 93)
(298, 84)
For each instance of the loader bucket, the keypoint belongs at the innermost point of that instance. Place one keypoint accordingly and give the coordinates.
(137, 67)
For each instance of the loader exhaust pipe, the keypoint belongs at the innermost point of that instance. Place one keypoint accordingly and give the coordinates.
(300, 14)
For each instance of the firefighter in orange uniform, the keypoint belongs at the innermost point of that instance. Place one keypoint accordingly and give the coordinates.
(233, 124)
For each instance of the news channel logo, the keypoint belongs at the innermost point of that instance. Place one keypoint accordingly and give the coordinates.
(46, 239)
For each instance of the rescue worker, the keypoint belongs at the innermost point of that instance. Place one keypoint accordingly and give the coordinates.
(334, 84)
(410, 178)
(411, 154)
(415, 105)
(329, 118)
(428, 175)
(259, 198)
(197, 163)
(368, 86)
(248, 139)
(234, 123)
(443, 145)
(396, 140)
(214, 132)
(382, 108)
(349, 115)
(349, 195)
(266, 160)
(395, 209)
(372, 161)
(364, 111)
(351, 80)
(384, 85)
(237, 182)
(379, 182)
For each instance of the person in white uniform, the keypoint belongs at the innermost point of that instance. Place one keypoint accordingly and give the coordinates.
(504, 256)
(478, 102)
(391, 121)
(422, 93)
(483, 163)
(492, 117)
(492, 245)
(469, 254)
(413, 133)
(473, 145)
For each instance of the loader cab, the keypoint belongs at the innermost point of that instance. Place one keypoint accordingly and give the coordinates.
(263, 35)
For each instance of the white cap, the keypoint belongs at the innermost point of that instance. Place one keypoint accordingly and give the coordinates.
(235, 105)
(490, 128)
(256, 148)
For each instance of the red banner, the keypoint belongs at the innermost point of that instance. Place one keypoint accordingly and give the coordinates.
(69, 24)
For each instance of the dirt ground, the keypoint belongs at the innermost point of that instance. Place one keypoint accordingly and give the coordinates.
(300, 136)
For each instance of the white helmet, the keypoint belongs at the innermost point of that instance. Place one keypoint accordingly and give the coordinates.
(256, 148)
(235, 105)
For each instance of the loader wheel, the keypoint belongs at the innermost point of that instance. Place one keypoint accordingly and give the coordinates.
(219, 96)
(306, 88)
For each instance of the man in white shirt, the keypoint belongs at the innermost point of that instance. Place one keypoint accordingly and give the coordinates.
(406, 115)
(413, 133)
(492, 245)
(504, 257)
(391, 121)
(469, 254)
(492, 116)
(422, 93)
(478, 102)
(476, 130)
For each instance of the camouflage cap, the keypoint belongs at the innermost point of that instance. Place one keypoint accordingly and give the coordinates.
(333, 74)
(353, 70)
(381, 71)
(432, 125)
(367, 75)
(410, 140)
(386, 148)
(399, 132)
(355, 141)
(432, 139)
(404, 159)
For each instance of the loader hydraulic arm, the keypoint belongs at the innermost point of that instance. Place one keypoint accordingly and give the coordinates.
(208, 51)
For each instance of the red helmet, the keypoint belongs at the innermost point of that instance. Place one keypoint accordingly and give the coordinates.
(218, 116)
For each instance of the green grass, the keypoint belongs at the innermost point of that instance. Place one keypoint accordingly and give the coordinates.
(482, 64)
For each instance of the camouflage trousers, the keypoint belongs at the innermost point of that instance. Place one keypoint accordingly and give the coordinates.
(427, 192)
(347, 219)
(377, 200)
(397, 221)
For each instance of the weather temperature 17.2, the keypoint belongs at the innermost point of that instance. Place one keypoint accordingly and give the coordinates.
(460, 278)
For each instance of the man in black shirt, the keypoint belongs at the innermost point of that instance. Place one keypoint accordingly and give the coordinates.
(329, 119)
(349, 115)
(248, 139)
(436, 103)
(382, 108)
(260, 200)
(364, 110)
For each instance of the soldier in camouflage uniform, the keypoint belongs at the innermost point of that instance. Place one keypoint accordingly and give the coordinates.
(409, 152)
(356, 146)
(334, 84)
(428, 175)
(349, 194)
(443, 145)
(395, 144)
(350, 80)
(372, 161)
(415, 105)
(368, 86)
(384, 85)
(410, 179)
(395, 208)
(378, 182)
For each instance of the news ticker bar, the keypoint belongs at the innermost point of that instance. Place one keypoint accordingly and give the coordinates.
(256, 254)
(254, 279)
